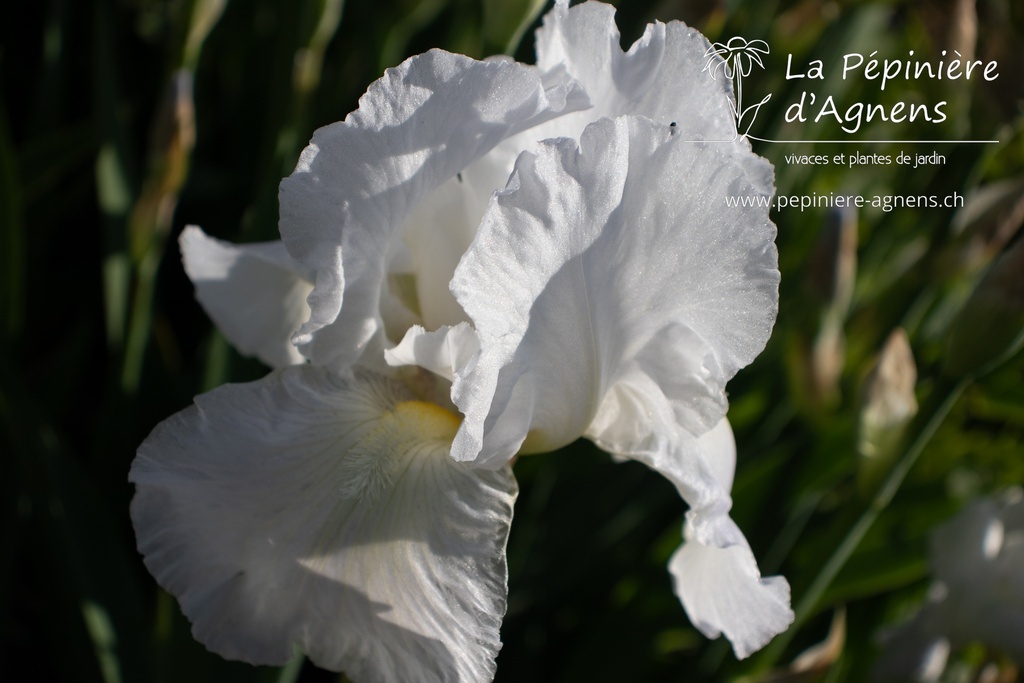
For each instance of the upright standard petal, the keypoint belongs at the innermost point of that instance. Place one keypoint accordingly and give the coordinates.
(344, 208)
(441, 351)
(659, 77)
(311, 510)
(626, 264)
(255, 293)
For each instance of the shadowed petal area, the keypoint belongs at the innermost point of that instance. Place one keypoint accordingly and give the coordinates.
(344, 208)
(255, 293)
(620, 264)
(312, 510)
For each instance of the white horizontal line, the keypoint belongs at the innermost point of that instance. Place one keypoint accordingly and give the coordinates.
(879, 142)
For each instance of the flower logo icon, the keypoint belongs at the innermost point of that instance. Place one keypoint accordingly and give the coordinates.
(736, 59)
(738, 56)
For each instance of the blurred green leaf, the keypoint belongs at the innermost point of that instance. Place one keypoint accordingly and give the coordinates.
(203, 17)
(115, 174)
(875, 573)
(506, 21)
(84, 545)
(12, 239)
(412, 16)
(989, 329)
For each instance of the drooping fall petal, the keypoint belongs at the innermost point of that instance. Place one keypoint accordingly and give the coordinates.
(311, 510)
(714, 572)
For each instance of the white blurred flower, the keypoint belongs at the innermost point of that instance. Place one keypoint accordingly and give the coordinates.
(977, 559)
(357, 505)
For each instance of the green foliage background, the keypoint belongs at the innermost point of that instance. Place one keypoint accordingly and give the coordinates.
(100, 338)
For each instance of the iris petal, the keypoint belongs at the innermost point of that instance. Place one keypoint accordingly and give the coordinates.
(622, 261)
(345, 206)
(311, 510)
(255, 293)
(723, 592)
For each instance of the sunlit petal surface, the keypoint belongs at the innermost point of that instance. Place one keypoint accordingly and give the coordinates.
(635, 273)
(344, 207)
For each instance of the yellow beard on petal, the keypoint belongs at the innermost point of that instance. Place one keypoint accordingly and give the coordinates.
(369, 466)
(426, 419)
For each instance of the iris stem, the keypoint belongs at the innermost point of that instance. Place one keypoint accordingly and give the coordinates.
(141, 320)
(812, 597)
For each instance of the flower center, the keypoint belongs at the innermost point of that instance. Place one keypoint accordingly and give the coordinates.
(410, 428)
(426, 420)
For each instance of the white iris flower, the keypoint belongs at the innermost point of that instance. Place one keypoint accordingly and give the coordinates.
(356, 502)
(977, 596)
